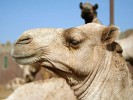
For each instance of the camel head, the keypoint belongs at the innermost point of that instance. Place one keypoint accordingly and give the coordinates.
(29, 71)
(88, 11)
(69, 53)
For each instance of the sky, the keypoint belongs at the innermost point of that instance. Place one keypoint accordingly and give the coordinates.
(17, 16)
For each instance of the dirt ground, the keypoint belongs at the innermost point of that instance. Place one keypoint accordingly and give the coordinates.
(4, 93)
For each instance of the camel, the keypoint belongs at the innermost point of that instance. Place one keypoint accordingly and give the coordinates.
(29, 74)
(87, 57)
(30, 71)
(88, 12)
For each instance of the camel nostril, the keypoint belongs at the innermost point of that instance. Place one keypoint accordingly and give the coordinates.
(24, 40)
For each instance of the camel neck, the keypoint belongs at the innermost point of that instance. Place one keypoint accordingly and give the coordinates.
(93, 19)
(104, 82)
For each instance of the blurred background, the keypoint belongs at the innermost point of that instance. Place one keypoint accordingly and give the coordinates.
(20, 15)
(17, 16)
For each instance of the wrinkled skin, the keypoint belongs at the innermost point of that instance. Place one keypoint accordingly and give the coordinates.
(88, 12)
(86, 56)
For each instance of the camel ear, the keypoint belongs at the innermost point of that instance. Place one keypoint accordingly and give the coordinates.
(95, 6)
(110, 34)
(81, 5)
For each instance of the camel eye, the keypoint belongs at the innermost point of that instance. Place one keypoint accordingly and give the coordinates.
(74, 43)
(73, 38)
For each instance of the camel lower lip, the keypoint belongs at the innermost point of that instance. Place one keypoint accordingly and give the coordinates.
(27, 59)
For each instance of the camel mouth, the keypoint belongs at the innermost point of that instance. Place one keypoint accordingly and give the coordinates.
(37, 56)
(28, 57)
(27, 60)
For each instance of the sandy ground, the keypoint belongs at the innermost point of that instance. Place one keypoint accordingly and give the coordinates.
(4, 93)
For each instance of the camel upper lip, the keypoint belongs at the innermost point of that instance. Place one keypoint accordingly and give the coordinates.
(27, 54)
(19, 55)
(27, 57)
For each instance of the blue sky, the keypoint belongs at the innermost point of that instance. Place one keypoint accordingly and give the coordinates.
(16, 16)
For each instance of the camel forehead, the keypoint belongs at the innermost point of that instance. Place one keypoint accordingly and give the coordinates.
(43, 32)
(92, 28)
(87, 5)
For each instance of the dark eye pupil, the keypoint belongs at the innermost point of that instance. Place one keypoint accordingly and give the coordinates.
(74, 42)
